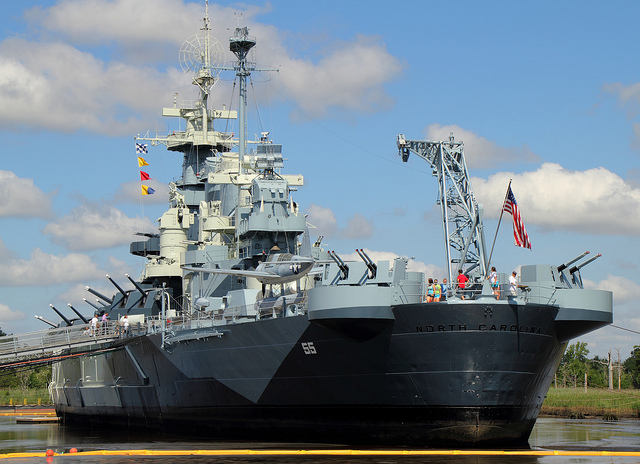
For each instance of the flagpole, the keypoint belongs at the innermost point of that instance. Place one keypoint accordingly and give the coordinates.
(498, 226)
(141, 202)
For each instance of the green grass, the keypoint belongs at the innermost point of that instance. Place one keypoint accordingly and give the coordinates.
(570, 402)
(17, 397)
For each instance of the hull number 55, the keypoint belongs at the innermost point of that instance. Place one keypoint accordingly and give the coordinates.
(309, 348)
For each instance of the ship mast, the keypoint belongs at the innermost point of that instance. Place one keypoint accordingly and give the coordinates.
(240, 44)
(203, 78)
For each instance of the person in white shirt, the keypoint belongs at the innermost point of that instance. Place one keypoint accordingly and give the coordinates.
(513, 283)
(94, 325)
(125, 325)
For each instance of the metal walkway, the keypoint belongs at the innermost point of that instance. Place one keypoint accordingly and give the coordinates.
(48, 341)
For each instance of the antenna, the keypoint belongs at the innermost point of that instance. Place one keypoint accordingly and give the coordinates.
(199, 57)
(201, 53)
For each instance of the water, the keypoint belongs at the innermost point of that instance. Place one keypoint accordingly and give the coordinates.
(549, 434)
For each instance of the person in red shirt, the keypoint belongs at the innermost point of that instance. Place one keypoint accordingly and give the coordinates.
(462, 281)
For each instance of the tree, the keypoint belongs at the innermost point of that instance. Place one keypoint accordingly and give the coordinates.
(632, 366)
(574, 363)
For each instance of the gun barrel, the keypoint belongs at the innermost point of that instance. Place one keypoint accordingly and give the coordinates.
(84, 319)
(581, 265)
(47, 321)
(99, 295)
(66, 321)
(563, 266)
(136, 285)
(115, 284)
(341, 264)
(92, 304)
(368, 261)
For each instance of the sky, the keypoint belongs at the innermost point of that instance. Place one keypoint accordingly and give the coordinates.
(544, 93)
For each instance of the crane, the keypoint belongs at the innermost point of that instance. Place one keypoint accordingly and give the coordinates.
(461, 214)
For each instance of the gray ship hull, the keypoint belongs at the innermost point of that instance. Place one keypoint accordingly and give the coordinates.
(434, 374)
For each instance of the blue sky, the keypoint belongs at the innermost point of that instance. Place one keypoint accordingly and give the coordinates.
(544, 93)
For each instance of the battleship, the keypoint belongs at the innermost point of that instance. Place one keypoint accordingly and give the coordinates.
(243, 327)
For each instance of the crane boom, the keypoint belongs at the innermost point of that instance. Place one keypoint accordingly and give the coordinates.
(461, 214)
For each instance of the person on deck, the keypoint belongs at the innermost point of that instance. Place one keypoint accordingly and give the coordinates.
(444, 289)
(94, 325)
(429, 295)
(513, 283)
(462, 282)
(495, 287)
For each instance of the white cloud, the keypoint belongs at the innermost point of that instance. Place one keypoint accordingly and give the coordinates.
(130, 21)
(57, 87)
(358, 227)
(7, 315)
(91, 227)
(350, 77)
(323, 219)
(627, 94)
(326, 224)
(624, 290)
(59, 84)
(479, 152)
(20, 198)
(5, 253)
(46, 269)
(118, 268)
(595, 201)
(629, 97)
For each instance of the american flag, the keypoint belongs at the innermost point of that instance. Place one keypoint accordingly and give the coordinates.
(141, 148)
(519, 232)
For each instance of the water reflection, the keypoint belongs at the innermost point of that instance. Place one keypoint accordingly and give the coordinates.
(551, 434)
(586, 434)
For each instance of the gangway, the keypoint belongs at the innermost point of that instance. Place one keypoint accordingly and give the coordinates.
(45, 342)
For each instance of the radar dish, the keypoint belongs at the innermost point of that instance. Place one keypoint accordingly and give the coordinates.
(193, 53)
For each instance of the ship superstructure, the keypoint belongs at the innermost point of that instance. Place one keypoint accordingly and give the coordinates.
(244, 328)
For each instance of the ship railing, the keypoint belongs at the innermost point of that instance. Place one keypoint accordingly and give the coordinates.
(474, 291)
(526, 292)
(261, 310)
(49, 340)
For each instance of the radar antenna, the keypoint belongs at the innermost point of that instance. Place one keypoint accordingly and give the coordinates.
(461, 213)
(203, 56)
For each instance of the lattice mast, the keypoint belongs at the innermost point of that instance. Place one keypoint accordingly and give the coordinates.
(461, 214)
(240, 44)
